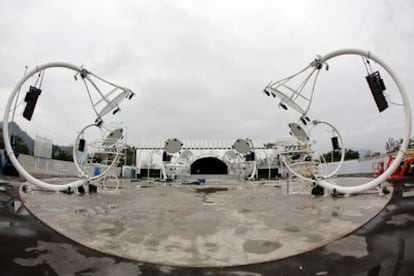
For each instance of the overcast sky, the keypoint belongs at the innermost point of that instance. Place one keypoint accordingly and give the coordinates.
(198, 67)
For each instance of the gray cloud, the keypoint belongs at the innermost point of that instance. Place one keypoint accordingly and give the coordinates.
(198, 67)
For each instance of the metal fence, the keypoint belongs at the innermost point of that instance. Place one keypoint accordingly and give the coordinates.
(44, 166)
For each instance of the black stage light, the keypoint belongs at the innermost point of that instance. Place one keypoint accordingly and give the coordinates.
(116, 111)
(81, 190)
(250, 156)
(92, 188)
(166, 157)
(99, 122)
(302, 119)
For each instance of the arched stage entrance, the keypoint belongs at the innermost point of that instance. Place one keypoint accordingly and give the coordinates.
(209, 165)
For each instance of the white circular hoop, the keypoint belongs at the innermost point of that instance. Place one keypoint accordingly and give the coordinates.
(102, 174)
(407, 112)
(341, 142)
(104, 99)
(319, 176)
(106, 179)
(9, 150)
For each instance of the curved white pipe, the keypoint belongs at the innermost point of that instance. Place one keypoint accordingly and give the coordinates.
(54, 187)
(6, 135)
(334, 172)
(164, 173)
(407, 113)
(81, 172)
(253, 174)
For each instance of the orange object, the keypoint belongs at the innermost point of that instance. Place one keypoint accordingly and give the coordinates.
(404, 168)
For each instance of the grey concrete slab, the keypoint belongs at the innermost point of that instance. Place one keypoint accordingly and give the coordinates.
(225, 224)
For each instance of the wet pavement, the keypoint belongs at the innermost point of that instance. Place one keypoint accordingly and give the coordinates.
(224, 223)
(384, 246)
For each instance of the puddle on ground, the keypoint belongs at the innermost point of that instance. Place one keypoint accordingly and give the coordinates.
(210, 190)
(260, 246)
(204, 192)
(146, 186)
(401, 219)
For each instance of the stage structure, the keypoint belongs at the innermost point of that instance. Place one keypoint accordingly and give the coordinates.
(97, 159)
(101, 103)
(296, 155)
(302, 158)
(236, 159)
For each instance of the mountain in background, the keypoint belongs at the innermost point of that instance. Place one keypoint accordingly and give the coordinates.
(17, 131)
(58, 152)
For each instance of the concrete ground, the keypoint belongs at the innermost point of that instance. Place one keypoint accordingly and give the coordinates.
(383, 246)
(215, 225)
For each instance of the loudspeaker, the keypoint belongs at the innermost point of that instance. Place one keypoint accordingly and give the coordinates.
(81, 146)
(31, 100)
(377, 86)
(335, 144)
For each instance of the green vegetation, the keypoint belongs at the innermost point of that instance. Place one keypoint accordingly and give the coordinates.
(20, 146)
(60, 154)
(130, 156)
(349, 154)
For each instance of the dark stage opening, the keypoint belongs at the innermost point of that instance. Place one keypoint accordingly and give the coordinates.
(208, 165)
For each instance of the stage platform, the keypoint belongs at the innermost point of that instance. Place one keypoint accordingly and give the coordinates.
(219, 224)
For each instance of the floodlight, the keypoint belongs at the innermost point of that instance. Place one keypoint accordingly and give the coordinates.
(173, 145)
(282, 105)
(242, 146)
(303, 120)
(285, 100)
(295, 95)
(116, 111)
(112, 104)
(113, 137)
(299, 132)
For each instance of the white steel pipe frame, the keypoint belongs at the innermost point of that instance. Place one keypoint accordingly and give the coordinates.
(341, 142)
(320, 176)
(407, 113)
(9, 150)
(98, 177)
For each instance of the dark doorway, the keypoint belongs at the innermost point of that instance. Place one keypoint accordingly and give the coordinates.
(208, 165)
